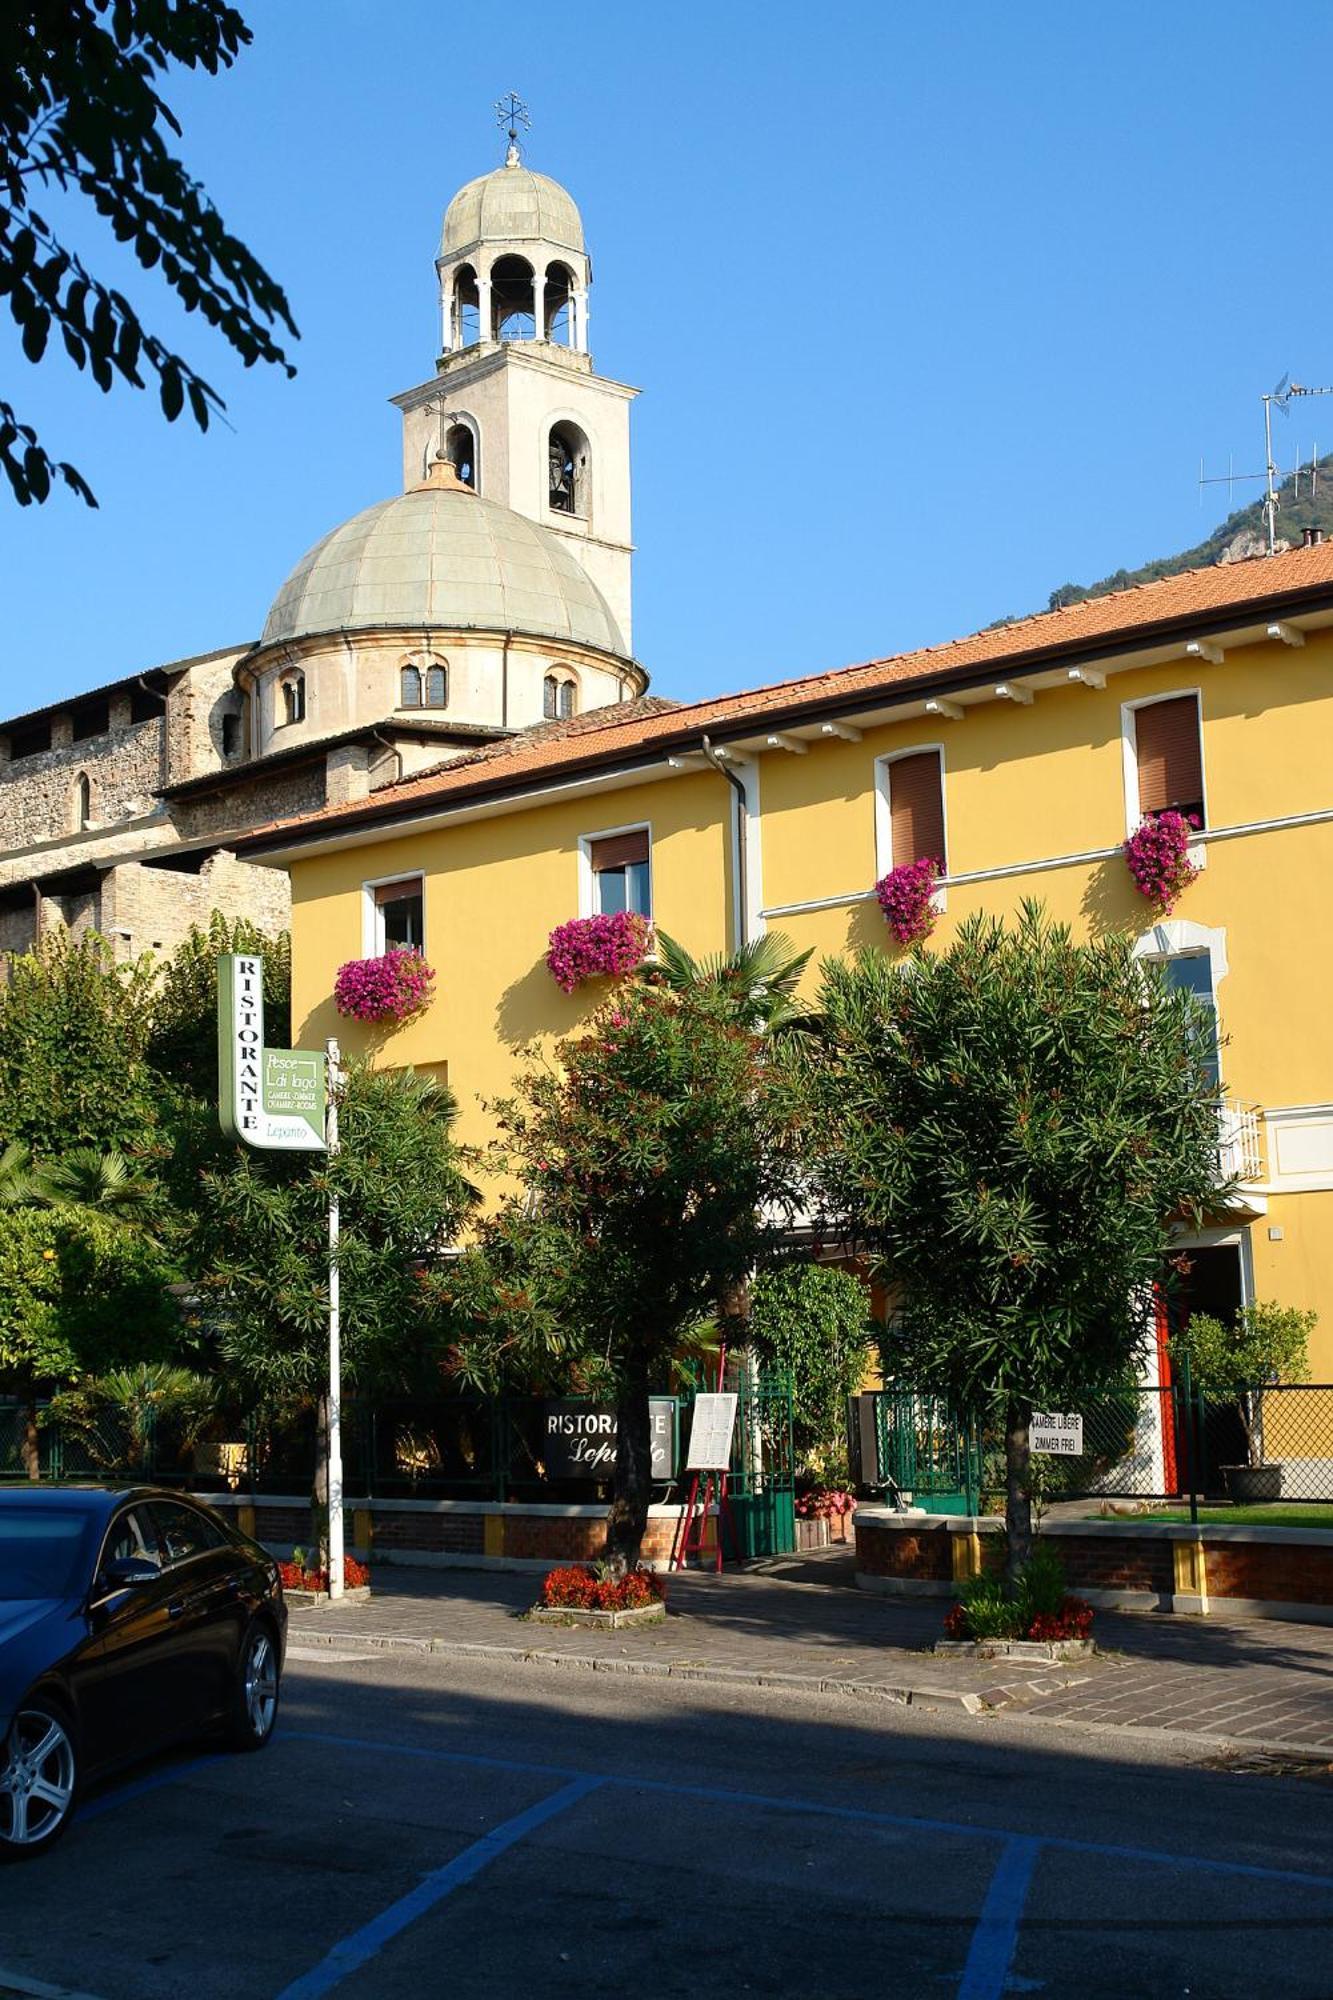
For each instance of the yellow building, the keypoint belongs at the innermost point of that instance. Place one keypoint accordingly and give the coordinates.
(1022, 755)
(497, 590)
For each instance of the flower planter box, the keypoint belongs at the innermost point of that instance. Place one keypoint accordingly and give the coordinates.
(1250, 1483)
(1016, 1649)
(309, 1600)
(601, 1621)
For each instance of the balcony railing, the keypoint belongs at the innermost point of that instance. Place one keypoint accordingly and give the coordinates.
(1240, 1148)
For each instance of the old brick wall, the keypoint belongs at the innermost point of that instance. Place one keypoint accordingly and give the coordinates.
(39, 794)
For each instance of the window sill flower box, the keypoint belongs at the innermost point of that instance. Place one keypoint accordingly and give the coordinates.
(393, 988)
(1163, 858)
(607, 947)
(911, 898)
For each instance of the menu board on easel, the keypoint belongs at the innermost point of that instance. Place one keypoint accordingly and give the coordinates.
(711, 1428)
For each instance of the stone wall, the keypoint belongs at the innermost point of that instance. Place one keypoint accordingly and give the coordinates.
(269, 795)
(466, 1534)
(39, 794)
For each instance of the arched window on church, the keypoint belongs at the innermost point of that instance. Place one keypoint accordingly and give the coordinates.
(409, 688)
(559, 697)
(437, 687)
(293, 697)
(460, 448)
(568, 470)
(83, 802)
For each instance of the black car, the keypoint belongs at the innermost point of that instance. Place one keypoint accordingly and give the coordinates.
(129, 1619)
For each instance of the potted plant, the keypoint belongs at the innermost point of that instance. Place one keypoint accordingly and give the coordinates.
(392, 988)
(907, 897)
(606, 947)
(1157, 854)
(1266, 1343)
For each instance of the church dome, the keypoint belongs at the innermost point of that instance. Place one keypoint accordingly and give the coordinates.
(511, 204)
(440, 557)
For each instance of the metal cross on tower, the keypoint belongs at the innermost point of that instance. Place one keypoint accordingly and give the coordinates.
(510, 113)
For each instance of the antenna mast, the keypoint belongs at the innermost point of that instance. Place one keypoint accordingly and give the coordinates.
(1281, 398)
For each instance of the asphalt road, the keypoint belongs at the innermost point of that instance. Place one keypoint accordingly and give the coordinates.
(424, 1829)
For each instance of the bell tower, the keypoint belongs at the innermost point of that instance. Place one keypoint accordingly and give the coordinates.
(515, 403)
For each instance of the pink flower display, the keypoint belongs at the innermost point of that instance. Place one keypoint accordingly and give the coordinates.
(392, 988)
(1158, 856)
(905, 897)
(596, 948)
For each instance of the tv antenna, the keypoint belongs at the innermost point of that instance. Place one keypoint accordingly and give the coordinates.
(1278, 398)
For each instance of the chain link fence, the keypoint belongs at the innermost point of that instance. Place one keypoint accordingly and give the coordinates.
(1166, 1444)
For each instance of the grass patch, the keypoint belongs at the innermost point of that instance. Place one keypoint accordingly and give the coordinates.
(1278, 1516)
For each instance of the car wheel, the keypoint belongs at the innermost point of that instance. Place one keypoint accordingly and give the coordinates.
(39, 1780)
(255, 1701)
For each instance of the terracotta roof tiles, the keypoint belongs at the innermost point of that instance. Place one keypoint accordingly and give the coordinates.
(642, 730)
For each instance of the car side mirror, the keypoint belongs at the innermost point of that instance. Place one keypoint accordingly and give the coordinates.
(128, 1573)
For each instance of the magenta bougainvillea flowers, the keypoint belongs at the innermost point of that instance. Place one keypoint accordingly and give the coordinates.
(596, 948)
(392, 988)
(905, 897)
(1158, 856)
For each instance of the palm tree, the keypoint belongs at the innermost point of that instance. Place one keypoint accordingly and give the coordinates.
(18, 1180)
(88, 1178)
(757, 983)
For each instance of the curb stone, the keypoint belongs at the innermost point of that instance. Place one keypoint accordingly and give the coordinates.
(920, 1696)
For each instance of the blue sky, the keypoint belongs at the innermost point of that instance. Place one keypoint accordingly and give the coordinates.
(933, 309)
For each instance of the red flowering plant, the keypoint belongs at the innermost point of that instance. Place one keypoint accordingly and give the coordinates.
(302, 1574)
(824, 1503)
(906, 897)
(581, 1588)
(596, 948)
(1037, 1607)
(1158, 856)
(395, 987)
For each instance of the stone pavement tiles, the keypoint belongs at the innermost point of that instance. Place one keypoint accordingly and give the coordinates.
(1254, 1682)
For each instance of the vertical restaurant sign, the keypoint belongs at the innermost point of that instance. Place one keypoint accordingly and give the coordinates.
(273, 1099)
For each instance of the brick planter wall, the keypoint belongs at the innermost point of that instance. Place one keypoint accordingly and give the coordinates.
(1254, 1572)
(470, 1534)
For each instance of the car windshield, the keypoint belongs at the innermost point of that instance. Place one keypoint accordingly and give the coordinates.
(39, 1551)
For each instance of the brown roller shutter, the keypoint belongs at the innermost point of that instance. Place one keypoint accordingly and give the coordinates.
(1166, 735)
(620, 851)
(399, 892)
(916, 809)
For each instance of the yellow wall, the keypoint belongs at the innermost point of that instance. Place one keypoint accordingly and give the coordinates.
(494, 890)
(1022, 785)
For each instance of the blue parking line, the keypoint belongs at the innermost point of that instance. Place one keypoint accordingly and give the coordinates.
(995, 1939)
(859, 1815)
(107, 1801)
(364, 1945)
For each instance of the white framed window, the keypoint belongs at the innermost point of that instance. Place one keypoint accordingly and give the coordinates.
(616, 872)
(1191, 958)
(1162, 741)
(909, 808)
(393, 915)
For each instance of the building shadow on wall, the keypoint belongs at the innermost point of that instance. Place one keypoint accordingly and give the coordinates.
(533, 1006)
(1110, 902)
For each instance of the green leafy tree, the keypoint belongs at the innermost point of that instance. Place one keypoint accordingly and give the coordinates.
(122, 1418)
(79, 1293)
(1009, 1128)
(106, 1182)
(260, 1241)
(813, 1321)
(82, 115)
(1265, 1343)
(182, 1043)
(648, 1158)
(73, 1031)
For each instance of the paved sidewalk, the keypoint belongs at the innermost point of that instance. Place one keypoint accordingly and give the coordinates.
(1264, 1685)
